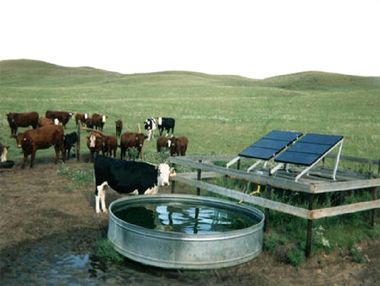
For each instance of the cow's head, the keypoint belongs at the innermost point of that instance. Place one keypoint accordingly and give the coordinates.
(19, 138)
(92, 140)
(164, 173)
(10, 117)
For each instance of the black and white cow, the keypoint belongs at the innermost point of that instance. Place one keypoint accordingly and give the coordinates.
(150, 125)
(127, 177)
(165, 123)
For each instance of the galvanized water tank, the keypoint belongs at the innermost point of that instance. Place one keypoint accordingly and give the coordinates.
(167, 249)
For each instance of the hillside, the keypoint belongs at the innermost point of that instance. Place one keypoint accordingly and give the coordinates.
(221, 114)
(36, 73)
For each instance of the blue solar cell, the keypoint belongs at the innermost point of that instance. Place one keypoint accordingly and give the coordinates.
(309, 149)
(270, 145)
(258, 153)
(298, 158)
(321, 139)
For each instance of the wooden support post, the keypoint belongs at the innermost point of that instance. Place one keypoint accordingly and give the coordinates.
(373, 212)
(199, 177)
(78, 141)
(266, 211)
(238, 165)
(378, 168)
(309, 235)
(173, 183)
(173, 187)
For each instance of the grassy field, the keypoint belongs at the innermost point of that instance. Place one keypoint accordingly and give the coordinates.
(219, 114)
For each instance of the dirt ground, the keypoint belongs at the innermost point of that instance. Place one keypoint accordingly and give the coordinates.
(40, 205)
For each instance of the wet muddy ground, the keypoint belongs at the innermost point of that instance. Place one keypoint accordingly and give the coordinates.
(48, 227)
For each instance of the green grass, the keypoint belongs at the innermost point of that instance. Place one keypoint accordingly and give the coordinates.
(219, 114)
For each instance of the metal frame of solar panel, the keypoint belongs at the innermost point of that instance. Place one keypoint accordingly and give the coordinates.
(309, 151)
(267, 147)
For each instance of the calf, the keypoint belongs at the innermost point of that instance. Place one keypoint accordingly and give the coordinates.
(119, 127)
(178, 146)
(25, 119)
(41, 138)
(166, 123)
(127, 177)
(62, 116)
(109, 145)
(150, 125)
(69, 142)
(163, 143)
(94, 144)
(98, 121)
(80, 117)
(131, 140)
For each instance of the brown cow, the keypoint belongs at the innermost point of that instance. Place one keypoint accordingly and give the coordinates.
(131, 140)
(98, 121)
(62, 116)
(80, 117)
(163, 143)
(41, 138)
(119, 127)
(25, 119)
(178, 146)
(109, 146)
(94, 144)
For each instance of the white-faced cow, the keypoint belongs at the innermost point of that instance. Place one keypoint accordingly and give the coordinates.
(98, 121)
(41, 138)
(150, 125)
(94, 144)
(166, 123)
(127, 177)
(62, 116)
(178, 146)
(163, 143)
(25, 119)
(80, 117)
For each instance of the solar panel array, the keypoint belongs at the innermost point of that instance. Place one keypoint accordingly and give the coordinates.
(270, 145)
(308, 149)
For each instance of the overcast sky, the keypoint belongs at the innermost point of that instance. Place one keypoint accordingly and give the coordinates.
(250, 38)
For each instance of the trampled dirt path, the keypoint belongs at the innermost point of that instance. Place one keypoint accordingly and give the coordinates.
(38, 206)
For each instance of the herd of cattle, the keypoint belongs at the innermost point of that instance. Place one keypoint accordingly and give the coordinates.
(121, 175)
(49, 131)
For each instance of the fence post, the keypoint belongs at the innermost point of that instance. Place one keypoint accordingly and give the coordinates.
(199, 177)
(238, 165)
(78, 141)
(373, 212)
(309, 235)
(173, 183)
(266, 211)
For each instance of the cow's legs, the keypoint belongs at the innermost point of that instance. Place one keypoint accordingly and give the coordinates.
(100, 197)
(32, 156)
(24, 162)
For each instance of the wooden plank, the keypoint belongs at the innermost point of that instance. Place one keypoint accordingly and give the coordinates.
(281, 207)
(345, 186)
(345, 209)
(205, 175)
(257, 178)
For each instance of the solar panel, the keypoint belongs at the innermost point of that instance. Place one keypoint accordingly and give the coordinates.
(309, 149)
(270, 145)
